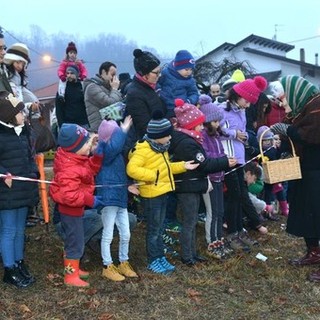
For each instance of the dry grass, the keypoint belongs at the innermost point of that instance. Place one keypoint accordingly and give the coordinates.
(242, 287)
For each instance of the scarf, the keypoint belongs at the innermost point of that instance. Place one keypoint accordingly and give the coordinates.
(140, 78)
(196, 135)
(298, 91)
(157, 147)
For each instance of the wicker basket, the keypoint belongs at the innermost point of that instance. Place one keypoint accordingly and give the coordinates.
(280, 170)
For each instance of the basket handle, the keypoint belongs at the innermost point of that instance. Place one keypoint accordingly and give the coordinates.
(260, 146)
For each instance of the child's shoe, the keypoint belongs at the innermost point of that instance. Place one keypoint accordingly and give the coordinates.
(173, 227)
(216, 250)
(157, 267)
(125, 269)
(167, 265)
(244, 237)
(111, 272)
(236, 243)
(284, 208)
(168, 239)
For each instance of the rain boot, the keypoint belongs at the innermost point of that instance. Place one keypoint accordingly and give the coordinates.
(71, 274)
(82, 274)
(284, 207)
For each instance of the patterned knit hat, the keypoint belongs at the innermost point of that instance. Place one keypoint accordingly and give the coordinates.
(188, 115)
(17, 52)
(106, 129)
(250, 89)
(72, 137)
(298, 91)
(71, 47)
(267, 136)
(184, 60)
(209, 109)
(159, 127)
(10, 106)
(144, 61)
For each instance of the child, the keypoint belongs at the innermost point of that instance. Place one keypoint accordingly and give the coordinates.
(17, 59)
(187, 144)
(149, 164)
(69, 60)
(214, 199)
(274, 191)
(177, 81)
(15, 196)
(113, 176)
(72, 189)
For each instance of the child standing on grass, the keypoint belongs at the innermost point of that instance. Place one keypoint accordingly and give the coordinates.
(70, 60)
(115, 196)
(15, 196)
(72, 189)
(149, 164)
(187, 143)
(214, 199)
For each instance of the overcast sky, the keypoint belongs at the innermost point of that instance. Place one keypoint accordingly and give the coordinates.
(171, 25)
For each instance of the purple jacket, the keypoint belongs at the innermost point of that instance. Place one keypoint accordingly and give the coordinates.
(214, 149)
(233, 120)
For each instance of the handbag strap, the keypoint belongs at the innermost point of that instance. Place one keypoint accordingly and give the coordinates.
(260, 146)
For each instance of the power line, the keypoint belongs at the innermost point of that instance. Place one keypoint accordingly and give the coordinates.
(309, 38)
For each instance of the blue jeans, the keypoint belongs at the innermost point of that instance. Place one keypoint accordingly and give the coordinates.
(112, 215)
(13, 222)
(155, 212)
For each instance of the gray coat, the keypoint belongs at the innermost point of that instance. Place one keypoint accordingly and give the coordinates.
(98, 95)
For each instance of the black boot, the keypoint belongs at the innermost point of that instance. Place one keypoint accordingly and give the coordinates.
(25, 272)
(13, 276)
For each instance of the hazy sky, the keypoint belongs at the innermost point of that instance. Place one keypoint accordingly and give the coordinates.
(171, 25)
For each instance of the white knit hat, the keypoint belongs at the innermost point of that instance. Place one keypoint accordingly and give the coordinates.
(17, 52)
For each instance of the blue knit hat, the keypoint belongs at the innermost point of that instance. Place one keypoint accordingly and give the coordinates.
(159, 127)
(184, 60)
(72, 137)
(209, 109)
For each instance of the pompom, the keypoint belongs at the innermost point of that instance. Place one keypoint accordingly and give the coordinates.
(178, 102)
(204, 99)
(71, 44)
(260, 82)
(157, 115)
(137, 53)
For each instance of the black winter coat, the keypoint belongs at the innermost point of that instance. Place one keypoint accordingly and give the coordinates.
(16, 158)
(185, 148)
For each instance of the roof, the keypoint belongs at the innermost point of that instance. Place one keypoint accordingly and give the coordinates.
(48, 92)
(273, 44)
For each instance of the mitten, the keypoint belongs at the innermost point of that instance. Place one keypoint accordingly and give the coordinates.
(98, 202)
(279, 128)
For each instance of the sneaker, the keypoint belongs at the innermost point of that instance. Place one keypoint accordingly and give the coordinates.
(173, 227)
(126, 270)
(244, 237)
(111, 272)
(167, 239)
(166, 264)
(227, 248)
(237, 244)
(216, 250)
(202, 217)
(157, 267)
(170, 251)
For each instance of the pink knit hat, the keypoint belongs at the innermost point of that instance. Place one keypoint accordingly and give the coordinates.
(188, 115)
(106, 129)
(250, 89)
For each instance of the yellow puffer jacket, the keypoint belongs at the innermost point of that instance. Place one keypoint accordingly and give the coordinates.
(153, 170)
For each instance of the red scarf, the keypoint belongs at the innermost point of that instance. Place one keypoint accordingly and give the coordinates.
(140, 78)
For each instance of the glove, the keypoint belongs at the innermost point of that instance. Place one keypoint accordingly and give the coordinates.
(279, 128)
(100, 148)
(98, 202)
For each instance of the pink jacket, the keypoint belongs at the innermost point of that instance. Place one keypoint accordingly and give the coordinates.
(83, 73)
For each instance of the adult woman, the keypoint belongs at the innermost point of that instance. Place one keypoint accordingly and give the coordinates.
(304, 217)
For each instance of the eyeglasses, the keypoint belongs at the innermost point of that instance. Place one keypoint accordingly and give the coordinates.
(157, 73)
(3, 48)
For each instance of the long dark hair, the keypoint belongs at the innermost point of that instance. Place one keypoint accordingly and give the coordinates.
(22, 74)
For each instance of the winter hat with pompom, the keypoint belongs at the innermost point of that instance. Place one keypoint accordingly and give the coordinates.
(188, 115)
(250, 89)
(144, 62)
(159, 127)
(106, 129)
(209, 109)
(71, 47)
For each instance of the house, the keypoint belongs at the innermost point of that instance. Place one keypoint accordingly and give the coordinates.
(267, 57)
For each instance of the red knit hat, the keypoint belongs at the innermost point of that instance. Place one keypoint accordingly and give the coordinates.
(250, 89)
(71, 47)
(188, 115)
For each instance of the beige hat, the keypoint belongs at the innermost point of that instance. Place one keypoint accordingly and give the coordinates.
(17, 52)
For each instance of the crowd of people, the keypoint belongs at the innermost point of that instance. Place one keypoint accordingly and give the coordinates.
(175, 147)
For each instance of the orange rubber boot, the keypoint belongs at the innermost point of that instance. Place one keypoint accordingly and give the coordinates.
(71, 274)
